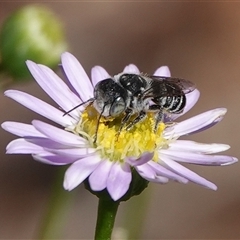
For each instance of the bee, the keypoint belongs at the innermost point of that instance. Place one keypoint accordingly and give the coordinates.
(138, 94)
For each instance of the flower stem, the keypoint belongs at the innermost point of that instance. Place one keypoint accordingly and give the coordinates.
(107, 210)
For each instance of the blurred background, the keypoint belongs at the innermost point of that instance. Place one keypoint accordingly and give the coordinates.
(199, 42)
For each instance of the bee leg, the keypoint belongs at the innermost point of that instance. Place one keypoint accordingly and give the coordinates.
(98, 121)
(159, 115)
(124, 120)
(139, 118)
(159, 118)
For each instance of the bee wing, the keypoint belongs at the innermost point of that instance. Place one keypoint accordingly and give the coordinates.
(185, 85)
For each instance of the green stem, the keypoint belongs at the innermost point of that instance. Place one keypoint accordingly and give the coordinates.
(107, 210)
(56, 215)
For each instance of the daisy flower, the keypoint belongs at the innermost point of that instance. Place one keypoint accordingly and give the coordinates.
(109, 164)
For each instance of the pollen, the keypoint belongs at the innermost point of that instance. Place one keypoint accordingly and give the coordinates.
(128, 143)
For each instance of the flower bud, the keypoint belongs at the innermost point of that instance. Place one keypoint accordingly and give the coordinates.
(33, 32)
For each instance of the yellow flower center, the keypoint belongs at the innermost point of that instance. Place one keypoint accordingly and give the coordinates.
(117, 146)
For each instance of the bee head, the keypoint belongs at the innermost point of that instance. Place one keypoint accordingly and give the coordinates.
(110, 98)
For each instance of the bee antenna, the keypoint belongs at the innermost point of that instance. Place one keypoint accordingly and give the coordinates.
(79, 105)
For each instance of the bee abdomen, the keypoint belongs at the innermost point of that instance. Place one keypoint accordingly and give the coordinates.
(174, 104)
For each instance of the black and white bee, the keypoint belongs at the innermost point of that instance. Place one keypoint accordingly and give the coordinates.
(138, 94)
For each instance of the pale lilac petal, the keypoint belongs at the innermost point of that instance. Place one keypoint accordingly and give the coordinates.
(146, 171)
(196, 158)
(232, 160)
(196, 123)
(191, 146)
(160, 179)
(98, 73)
(77, 152)
(163, 71)
(79, 171)
(186, 173)
(156, 179)
(59, 135)
(21, 129)
(134, 161)
(131, 68)
(119, 180)
(162, 171)
(98, 179)
(46, 143)
(77, 76)
(40, 107)
(21, 146)
(55, 87)
(52, 159)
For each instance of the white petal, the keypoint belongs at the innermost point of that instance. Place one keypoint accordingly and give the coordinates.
(98, 179)
(40, 107)
(77, 76)
(79, 171)
(119, 180)
(98, 73)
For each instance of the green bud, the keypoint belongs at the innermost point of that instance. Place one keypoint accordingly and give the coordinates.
(31, 33)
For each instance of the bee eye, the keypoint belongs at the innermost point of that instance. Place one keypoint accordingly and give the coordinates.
(117, 107)
(124, 76)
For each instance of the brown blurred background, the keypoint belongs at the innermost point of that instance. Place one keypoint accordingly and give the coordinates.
(198, 41)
